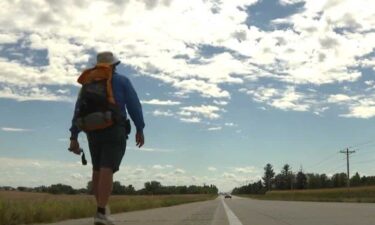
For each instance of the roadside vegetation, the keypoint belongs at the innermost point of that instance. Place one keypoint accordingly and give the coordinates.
(25, 207)
(150, 188)
(300, 186)
(354, 194)
(29, 206)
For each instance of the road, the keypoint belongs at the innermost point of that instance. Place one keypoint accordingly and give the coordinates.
(243, 211)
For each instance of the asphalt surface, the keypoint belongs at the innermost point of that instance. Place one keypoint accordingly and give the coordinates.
(243, 211)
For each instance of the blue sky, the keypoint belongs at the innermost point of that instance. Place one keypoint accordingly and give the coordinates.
(226, 87)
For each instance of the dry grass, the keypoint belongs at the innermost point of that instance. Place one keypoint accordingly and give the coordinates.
(25, 208)
(355, 194)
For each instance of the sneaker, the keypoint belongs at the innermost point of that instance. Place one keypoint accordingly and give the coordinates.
(107, 211)
(101, 219)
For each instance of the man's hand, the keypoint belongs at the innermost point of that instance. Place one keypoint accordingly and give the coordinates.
(74, 147)
(139, 139)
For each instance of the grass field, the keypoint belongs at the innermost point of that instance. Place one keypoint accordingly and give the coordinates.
(356, 194)
(25, 208)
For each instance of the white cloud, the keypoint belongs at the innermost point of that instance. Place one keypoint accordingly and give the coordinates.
(161, 176)
(145, 149)
(6, 38)
(160, 102)
(288, 2)
(328, 42)
(214, 128)
(13, 129)
(248, 169)
(179, 171)
(159, 167)
(360, 111)
(139, 171)
(162, 113)
(185, 113)
(63, 91)
(229, 175)
(32, 172)
(339, 98)
(77, 176)
(162, 39)
(230, 124)
(36, 164)
(191, 120)
(363, 108)
(35, 172)
(222, 103)
(201, 86)
(32, 94)
(207, 111)
(287, 99)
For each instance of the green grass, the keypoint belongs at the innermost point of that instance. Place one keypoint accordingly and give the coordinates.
(357, 194)
(25, 208)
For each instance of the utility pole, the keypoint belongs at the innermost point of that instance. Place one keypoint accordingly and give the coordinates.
(347, 152)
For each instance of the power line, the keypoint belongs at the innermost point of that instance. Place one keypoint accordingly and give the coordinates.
(362, 144)
(335, 169)
(322, 161)
(366, 150)
(364, 161)
(363, 154)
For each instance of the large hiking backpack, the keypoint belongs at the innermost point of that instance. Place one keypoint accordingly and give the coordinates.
(97, 108)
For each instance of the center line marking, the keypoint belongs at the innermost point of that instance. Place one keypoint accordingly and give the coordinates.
(232, 218)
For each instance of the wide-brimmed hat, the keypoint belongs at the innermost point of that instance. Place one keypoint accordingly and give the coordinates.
(107, 58)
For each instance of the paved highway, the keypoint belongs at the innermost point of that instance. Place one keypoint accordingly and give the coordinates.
(243, 211)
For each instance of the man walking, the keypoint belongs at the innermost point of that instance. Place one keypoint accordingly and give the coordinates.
(100, 111)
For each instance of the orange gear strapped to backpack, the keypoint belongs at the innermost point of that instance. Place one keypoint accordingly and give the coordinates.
(98, 120)
(99, 72)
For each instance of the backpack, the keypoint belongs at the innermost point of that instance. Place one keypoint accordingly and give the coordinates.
(97, 108)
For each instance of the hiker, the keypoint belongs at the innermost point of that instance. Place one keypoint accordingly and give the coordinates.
(100, 112)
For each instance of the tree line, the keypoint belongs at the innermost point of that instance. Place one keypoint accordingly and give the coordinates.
(150, 188)
(286, 179)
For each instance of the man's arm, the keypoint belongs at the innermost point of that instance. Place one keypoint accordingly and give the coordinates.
(134, 107)
(74, 130)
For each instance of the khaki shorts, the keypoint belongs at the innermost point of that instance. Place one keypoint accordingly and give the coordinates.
(107, 147)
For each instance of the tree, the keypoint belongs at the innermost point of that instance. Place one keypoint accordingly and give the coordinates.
(288, 177)
(153, 187)
(301, 180)
(117, 188)
(89, 187)
(279, 182)
(268, 176)
(130, 190)
(355, 180)
(325, 182)
(61, 189)
(252, 188)
(339, 179)
(313, 181)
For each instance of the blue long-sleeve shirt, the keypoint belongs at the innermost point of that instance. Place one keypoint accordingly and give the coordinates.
(126, 97)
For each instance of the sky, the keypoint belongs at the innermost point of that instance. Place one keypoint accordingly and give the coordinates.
(226, 87)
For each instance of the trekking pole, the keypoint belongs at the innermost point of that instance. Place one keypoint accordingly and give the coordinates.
(83, 157)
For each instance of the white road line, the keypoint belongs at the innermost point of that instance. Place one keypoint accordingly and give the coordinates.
(232, 218)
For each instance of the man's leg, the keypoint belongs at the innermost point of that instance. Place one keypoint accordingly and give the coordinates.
(95, 184)
(104, 186)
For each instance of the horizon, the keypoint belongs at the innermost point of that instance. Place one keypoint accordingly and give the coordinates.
(226, 87)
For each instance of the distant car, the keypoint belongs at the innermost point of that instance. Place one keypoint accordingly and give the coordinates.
(228, 196)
